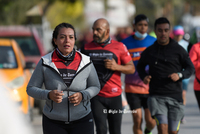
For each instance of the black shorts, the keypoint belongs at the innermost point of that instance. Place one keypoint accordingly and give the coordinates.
(136, 101)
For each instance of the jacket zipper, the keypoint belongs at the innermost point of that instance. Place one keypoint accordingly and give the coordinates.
(68, 93)
(68, 90)
(68, 108)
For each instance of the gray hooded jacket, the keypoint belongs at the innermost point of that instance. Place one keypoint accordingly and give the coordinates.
(85, 81)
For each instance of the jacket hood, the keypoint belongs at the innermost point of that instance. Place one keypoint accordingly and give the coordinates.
(48, 61)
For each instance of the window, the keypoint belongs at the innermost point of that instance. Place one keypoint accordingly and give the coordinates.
(7, 57)
(28, 45)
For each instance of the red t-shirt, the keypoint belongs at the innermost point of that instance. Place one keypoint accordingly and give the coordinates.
(110, 80)
(66, 67)
(195, 58)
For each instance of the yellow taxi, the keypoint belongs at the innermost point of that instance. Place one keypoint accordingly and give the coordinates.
(14, 75)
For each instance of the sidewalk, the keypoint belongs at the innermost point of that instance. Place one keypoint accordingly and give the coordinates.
(192, 116)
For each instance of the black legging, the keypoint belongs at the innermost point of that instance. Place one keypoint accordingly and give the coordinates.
(85, 126)
(197, 94)
(110, 109)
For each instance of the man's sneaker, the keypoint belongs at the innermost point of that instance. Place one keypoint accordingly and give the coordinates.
(147, 132)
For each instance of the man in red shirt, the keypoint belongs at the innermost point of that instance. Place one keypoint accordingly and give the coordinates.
(110, 58)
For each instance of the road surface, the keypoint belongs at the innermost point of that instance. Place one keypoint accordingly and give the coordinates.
(192, 116)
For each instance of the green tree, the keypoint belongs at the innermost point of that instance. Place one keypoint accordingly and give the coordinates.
(13, 12)
(70, 11)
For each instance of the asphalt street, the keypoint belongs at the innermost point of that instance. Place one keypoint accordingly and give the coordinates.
(192, 116)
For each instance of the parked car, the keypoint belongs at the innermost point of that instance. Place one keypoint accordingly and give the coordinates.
(15, 74)
(30, 43)
(28, 40)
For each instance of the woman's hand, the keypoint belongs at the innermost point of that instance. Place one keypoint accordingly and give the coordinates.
(56, 96)
(76, 98)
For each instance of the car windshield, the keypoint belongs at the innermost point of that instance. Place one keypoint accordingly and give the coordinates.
(7, 57)
(28, 45)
